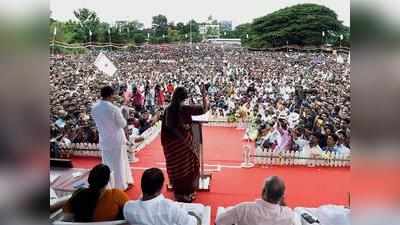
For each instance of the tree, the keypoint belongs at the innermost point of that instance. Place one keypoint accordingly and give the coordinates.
(139, 38)
(135, 26)
(300, 24)
(173, 35)
(195, 26)
(160, 25)
(88, 22)
(242, 29)
(180, 27)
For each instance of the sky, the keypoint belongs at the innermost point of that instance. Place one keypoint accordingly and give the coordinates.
(237, 11)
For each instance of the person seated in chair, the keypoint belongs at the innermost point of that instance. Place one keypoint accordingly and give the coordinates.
(96, 203)
(270, 209)
(152, 208)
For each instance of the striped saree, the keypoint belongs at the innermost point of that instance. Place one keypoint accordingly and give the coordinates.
(183, 166)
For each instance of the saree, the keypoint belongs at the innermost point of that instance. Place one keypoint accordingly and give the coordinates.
(182, 162)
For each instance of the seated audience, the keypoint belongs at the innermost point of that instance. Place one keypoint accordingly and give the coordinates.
(152, 208)
(270, 209)
(96, 203)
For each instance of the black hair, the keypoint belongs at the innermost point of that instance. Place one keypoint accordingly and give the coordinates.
(84, 201)
(274, 190)
(334, 136)
(180, 94)
(173, 118)
(99, 176)
(152, 181)
(106, 91)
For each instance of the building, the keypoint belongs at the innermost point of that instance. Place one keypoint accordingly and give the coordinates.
(225, 41)
(210, 28)
(121, 24)
(225, 25)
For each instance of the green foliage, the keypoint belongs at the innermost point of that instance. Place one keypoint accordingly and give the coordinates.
(160, 25)
(300, 24)
(88, 21)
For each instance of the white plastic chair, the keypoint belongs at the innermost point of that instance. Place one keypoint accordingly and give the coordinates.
(114, 222)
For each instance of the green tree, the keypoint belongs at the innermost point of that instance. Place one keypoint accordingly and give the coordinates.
(173, 35)
(180, 27)
(160, 25)
(300, 24)
(139, 37)
(135, 26)
(88, 22)
(194, 28)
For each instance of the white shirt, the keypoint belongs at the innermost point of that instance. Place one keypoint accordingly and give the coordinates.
(157, 211)
(110, 123)
(259, 212)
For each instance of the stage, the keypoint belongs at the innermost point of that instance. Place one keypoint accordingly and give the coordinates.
(231, 184)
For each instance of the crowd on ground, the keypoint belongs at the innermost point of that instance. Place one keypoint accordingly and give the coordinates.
(290, 99)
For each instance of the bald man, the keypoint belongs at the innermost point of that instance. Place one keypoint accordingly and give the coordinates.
(270, 210)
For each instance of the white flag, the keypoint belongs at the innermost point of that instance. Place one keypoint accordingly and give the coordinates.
(55, 31)
(341, 37)
(90, 32)
(105, 65)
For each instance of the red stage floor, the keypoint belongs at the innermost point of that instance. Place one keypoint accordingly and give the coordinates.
(223, 148)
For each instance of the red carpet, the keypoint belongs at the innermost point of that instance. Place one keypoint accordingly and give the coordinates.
(304, 186)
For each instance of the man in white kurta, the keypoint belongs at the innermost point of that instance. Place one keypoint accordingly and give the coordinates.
(110, 124)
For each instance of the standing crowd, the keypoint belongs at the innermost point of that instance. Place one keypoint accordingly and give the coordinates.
(290, 99)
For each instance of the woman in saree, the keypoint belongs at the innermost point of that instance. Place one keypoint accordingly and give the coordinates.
(183, 166)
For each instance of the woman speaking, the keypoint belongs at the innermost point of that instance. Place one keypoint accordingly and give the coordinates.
(183, 166)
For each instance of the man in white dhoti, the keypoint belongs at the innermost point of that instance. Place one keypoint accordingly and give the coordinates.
(112, 140)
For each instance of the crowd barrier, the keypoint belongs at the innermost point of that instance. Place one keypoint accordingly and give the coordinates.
(269, 157)
(92, 149)
(223, 122)
(342, 49)
(54, 43)
(90, 45)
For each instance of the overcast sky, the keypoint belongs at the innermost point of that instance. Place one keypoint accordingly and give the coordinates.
(237, 11)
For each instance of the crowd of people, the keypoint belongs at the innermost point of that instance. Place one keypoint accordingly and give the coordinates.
(290, 99)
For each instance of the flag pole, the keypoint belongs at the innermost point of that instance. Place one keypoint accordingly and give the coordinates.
(54, 39)
(90, 38)
(190, 30)
(340, 42)
(109, 37)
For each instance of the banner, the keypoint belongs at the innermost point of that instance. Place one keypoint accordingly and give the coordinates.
(105, 65)
(340, 59)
